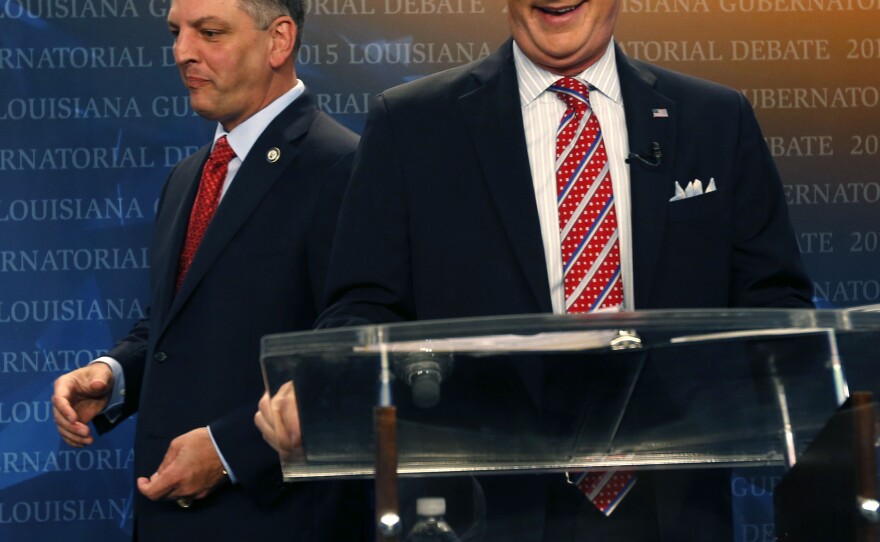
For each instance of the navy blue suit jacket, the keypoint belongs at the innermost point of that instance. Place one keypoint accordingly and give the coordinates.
(440, 218)
(195, 361)
(440, 221)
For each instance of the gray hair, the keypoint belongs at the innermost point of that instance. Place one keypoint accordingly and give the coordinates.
(263, 12)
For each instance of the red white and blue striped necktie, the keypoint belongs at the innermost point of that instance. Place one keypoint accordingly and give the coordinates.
(590, 244)
(585, 199)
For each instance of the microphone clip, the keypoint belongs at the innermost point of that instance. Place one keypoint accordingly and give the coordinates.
(653, 158)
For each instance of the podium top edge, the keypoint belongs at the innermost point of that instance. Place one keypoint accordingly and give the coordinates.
(737, 322)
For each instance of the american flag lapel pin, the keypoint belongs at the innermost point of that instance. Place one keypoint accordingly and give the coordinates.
(659, 113)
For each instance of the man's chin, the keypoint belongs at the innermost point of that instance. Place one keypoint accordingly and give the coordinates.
(202, 109)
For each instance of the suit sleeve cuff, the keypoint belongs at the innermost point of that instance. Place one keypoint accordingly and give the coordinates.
(222, 459)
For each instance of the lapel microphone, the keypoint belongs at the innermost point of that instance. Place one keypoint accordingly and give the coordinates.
(652, 159)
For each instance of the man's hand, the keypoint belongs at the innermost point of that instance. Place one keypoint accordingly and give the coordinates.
(79, 396)
(278, 421)
(191, 468)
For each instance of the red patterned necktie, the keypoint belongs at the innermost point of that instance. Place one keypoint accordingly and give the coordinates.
(587, 218)
(590, 246)
(210, 187)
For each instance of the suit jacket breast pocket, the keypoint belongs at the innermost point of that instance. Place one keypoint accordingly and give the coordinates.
(696, 207)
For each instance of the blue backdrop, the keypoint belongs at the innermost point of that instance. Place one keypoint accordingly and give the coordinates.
(92, 116)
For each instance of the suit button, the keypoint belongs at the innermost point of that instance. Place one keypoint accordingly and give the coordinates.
(160, 356)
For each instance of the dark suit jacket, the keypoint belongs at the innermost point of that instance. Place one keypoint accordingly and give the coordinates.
(195, 361)
(440, 215)
(440, 221)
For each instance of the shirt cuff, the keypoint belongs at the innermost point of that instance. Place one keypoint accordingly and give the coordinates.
(222, 459)
(113, 410)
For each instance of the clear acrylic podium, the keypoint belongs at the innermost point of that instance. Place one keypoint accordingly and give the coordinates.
(545, 393)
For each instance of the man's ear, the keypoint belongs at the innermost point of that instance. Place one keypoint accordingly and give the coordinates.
(283, 32)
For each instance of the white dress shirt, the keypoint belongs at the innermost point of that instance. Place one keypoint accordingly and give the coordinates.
(542, 111)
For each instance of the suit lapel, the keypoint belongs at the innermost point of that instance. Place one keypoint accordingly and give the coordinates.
(650, 187)
(177, 201)
(494, 124)
(256, 176)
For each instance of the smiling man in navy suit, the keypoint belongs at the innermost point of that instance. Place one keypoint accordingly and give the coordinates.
(455, 207)
(452, 206)
(223, 276)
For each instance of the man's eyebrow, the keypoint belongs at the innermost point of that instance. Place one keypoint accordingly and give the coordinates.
(209, 19)
(201, 21)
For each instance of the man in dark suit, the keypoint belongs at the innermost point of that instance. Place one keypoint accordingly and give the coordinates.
(191, 370)
(451, 210)
(441, 212)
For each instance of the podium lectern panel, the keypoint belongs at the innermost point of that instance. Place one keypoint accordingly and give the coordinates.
(653, 389)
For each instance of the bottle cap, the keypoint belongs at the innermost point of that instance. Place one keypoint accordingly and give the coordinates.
(431, 506)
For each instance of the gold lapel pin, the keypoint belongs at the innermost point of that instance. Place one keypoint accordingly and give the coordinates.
(273, 155)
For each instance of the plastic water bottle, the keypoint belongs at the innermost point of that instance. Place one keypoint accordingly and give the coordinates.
(431, 527)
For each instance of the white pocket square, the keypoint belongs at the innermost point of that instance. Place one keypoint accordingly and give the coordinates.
(694, 188)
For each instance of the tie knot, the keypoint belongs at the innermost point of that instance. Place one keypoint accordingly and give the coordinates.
(575, 94)
(222, 152)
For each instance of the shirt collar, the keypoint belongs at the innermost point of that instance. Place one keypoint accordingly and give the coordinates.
(243, 136)
(534, 80)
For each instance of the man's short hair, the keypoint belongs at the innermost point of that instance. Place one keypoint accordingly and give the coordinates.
(263, 12)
